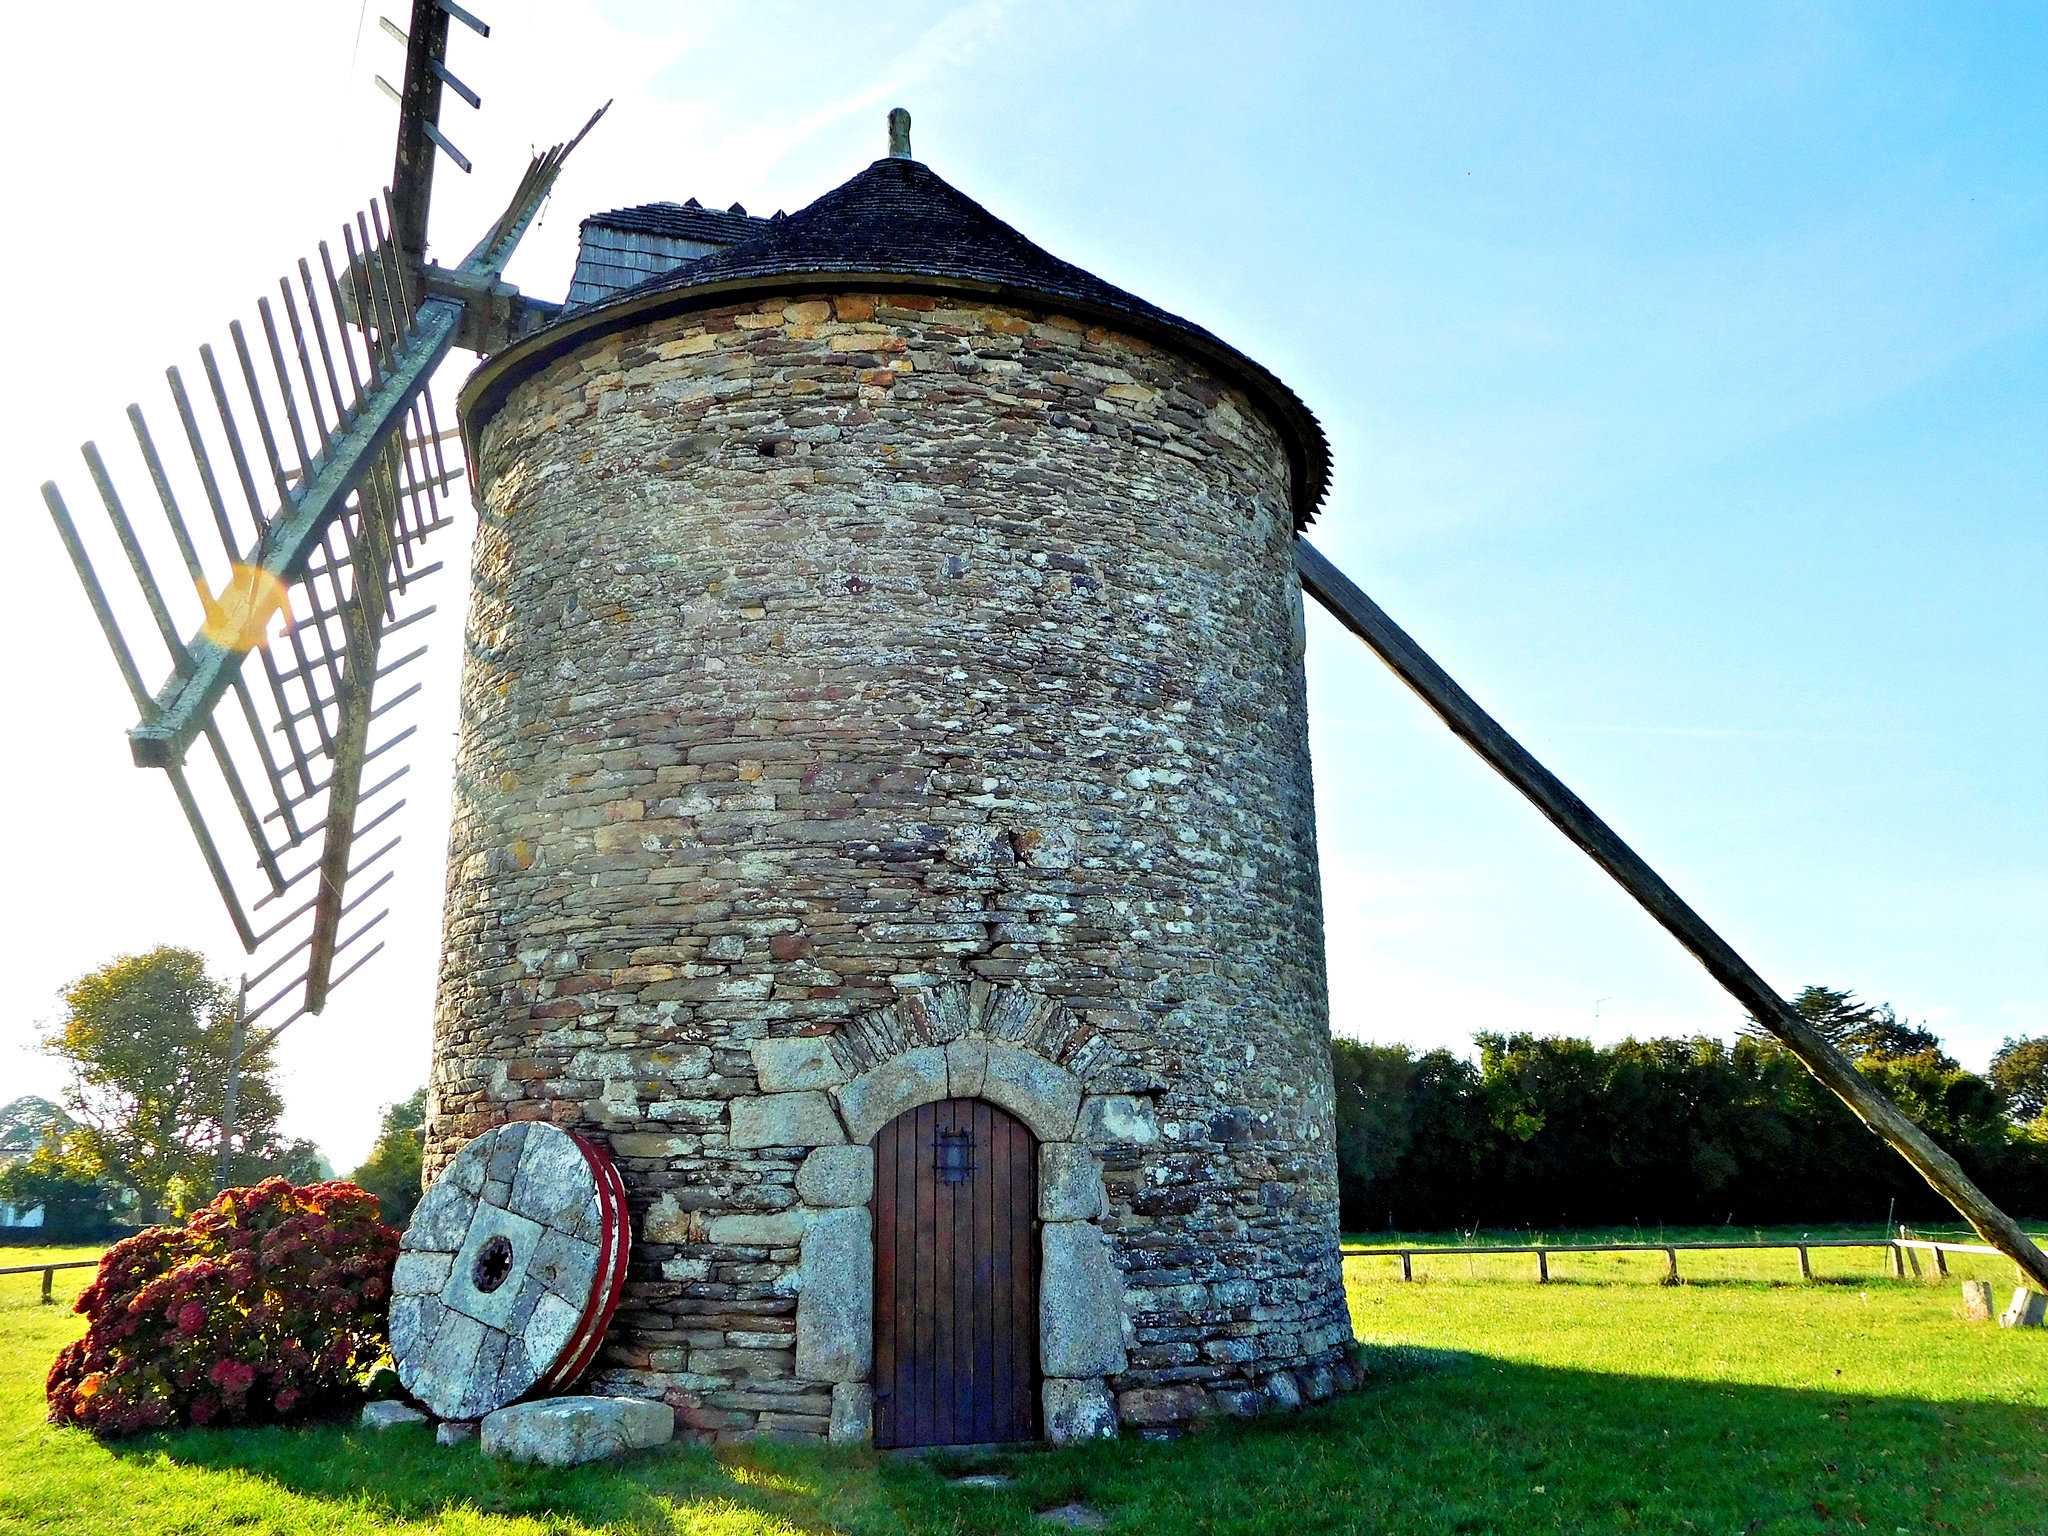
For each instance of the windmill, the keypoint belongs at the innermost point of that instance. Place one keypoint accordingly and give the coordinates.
(336, 542)
(320, 467)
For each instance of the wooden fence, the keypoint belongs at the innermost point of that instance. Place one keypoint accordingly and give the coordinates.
(49, 1272)
(1903, 1251)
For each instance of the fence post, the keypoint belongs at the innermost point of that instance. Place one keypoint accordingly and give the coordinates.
(1671, 1266)
(1407, 1270)
(1805, 1264)
(1912, 1258)
(1940, 1261)
(1898, 1261)
(1542, 1267)
(49, 1275)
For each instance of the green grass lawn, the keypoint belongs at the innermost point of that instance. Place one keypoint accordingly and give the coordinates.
(1602, 1402)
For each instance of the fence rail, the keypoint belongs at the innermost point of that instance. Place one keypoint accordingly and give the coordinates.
(49, 1272)
(1903, 1251)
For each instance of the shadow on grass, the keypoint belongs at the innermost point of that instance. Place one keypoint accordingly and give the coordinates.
(1442, 1442)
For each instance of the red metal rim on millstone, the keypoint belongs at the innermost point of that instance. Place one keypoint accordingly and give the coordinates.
(607, 1285)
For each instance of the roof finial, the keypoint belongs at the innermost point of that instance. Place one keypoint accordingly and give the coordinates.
(899, 134)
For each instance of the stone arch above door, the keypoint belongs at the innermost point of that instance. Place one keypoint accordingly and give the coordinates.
(1016, 1049)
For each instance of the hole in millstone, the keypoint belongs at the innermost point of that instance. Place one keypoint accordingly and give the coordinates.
(492, 1265)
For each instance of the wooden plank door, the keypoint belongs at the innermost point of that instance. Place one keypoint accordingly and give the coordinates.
(956, 1277)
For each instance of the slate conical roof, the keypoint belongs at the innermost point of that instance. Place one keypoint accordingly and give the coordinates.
(898, 224)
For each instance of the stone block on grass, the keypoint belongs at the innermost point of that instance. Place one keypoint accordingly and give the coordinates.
(390, 1414)
(565, 1431)
(1977, 1301)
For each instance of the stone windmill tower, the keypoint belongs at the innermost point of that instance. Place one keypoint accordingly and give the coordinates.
(884, 819)
(883, 826)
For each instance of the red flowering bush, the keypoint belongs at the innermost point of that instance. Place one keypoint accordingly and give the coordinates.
(268, 1304)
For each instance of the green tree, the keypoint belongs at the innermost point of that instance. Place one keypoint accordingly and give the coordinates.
(392, 1170)
(148, 1038)
(2020, 1071)
(1857, 1028)
(1374, 1118)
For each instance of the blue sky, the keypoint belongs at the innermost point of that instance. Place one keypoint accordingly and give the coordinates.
(1684, 367)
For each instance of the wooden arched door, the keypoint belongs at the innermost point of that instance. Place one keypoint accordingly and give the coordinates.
(956, 1277)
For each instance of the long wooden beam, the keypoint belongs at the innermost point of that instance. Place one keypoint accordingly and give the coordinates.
(1575, 819)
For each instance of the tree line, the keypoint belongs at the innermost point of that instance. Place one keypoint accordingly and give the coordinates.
(1539, 1130)
(1553, 1131)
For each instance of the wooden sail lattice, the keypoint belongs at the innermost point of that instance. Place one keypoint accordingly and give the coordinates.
(304, 755)
(313, 471)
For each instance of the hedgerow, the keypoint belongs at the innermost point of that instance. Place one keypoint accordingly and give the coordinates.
(268, 1305)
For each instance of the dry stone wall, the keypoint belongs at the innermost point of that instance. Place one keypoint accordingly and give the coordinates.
(879, 695)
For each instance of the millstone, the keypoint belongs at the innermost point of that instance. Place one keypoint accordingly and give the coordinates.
(509, 1272)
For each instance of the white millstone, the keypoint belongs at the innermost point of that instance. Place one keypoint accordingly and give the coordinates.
(388, 1415)
(880, 1094)
(1078, 1410)
(786, 1120)
(1044, 1095)
(497, 1270)
(835, 1316)
(837, 1176)
(563, 1431)
(853, 1413)
(787, 1065)
(1069, 1183)
(1080, 1303)
(1117, 1117)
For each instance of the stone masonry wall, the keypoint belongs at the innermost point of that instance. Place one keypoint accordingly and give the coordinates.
(834, 656)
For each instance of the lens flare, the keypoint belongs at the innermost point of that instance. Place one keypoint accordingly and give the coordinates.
(240, 616)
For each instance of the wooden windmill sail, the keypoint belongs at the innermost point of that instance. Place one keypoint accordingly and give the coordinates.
(319, 468)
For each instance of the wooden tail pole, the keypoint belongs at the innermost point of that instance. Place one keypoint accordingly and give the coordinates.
(1571, 816)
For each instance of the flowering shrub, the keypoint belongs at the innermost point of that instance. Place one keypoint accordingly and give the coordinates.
(268, 1304)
